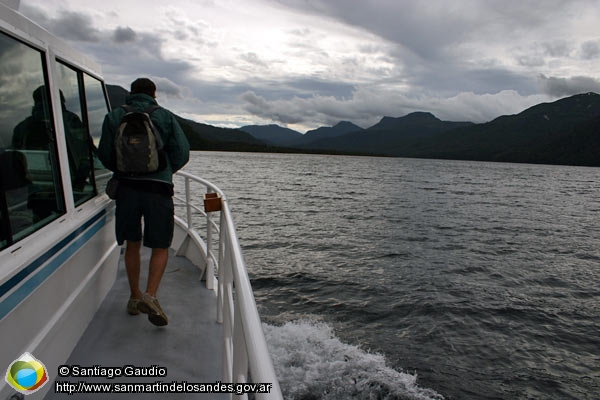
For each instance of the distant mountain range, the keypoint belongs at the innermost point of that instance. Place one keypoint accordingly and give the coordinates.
(566, 131)
(273, 134)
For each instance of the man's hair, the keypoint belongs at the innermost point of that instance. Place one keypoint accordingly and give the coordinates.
(143, 85)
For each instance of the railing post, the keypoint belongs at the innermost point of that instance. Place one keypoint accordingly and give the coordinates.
(221, 270)
(188, 202)
(226, 286)
(210, 265)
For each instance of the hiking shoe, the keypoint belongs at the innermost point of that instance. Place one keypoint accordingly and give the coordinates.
(132, 306)
(149, 305)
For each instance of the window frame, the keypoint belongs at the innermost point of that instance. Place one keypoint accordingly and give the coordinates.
(53, 153)
(106, 109)
(85, 121)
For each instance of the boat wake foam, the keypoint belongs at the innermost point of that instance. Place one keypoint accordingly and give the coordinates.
(312, 363)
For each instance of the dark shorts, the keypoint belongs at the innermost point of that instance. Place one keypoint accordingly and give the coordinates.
(156, 209)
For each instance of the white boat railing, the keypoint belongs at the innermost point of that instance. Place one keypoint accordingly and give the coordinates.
(245, 352)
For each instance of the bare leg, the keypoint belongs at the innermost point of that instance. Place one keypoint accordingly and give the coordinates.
(132, 265)
(158, 263)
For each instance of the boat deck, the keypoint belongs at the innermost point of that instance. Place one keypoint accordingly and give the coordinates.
(189, 347)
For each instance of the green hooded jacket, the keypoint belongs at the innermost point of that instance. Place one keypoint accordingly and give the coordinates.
(176, 144)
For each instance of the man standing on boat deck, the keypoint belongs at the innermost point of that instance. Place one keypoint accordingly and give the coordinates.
(149, 196)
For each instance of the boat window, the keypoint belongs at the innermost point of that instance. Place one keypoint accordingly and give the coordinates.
(79, 144)
(30, 188)
(97, 107)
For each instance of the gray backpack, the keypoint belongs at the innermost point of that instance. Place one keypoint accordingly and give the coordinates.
(139, 149)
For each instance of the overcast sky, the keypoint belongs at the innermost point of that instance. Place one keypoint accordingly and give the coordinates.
(309, 63)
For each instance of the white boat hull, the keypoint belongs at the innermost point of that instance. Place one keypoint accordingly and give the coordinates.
(47, 311)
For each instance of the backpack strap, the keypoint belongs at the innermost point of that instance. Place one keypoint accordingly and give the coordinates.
(151, 109)
(128, 108)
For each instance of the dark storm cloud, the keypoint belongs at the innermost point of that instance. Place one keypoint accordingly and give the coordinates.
(124, 35)
(69, 25)
(450, 80)
(559, 87)
(319, 87)
(76, 26)
(271, 90)
(142, 57)
(257, 105)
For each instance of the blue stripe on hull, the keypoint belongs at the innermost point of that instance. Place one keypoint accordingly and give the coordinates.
(70, 247)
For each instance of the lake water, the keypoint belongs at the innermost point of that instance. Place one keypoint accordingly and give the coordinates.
(387, 278)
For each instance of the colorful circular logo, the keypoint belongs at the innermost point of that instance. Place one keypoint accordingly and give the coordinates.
(26, 374)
